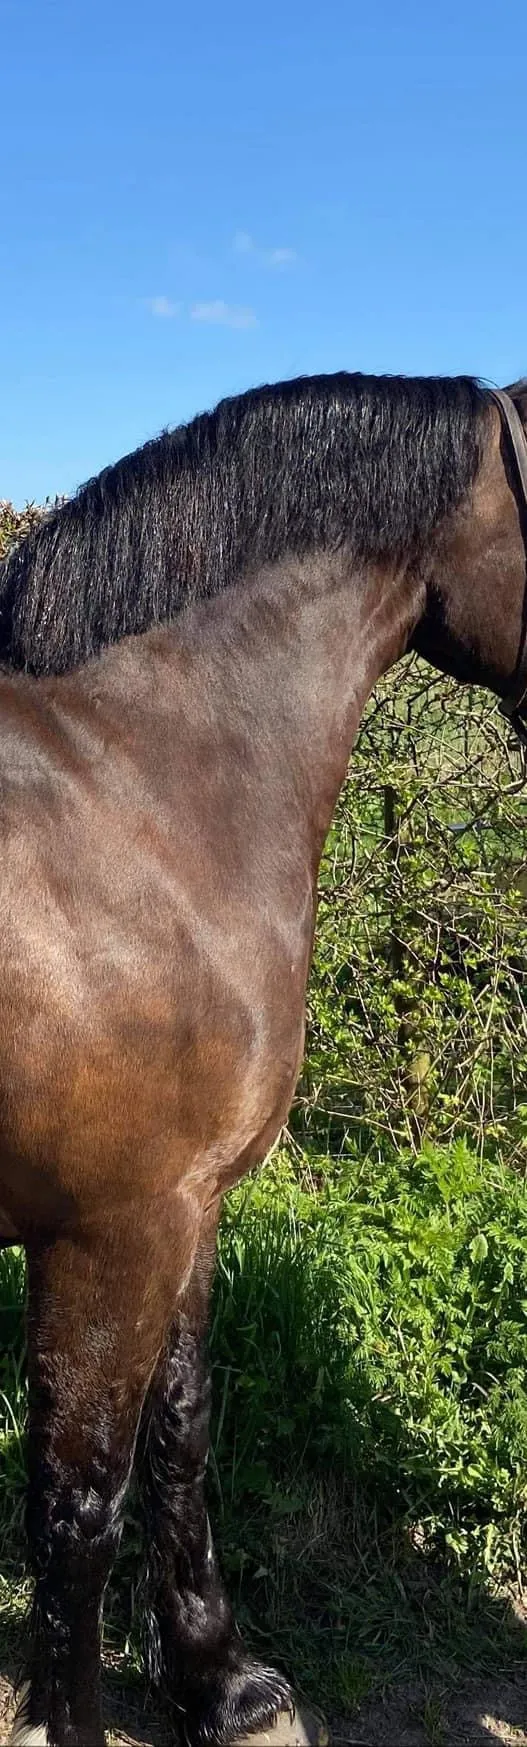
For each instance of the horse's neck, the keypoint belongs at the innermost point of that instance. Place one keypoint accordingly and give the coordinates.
(297, 651)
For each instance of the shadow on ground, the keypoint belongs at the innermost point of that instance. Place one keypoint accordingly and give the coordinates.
(438, 1702)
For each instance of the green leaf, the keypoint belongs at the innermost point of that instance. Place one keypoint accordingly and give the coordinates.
(479, 1248)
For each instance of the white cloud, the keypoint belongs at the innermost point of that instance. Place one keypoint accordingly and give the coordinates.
(280, 257)
(163, 307)
(225, 315)
(244, 244)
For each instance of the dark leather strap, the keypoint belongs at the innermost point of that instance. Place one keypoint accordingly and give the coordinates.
(513, 425)
(512, 421)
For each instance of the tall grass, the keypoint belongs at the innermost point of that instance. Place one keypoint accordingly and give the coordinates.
(370, 1348)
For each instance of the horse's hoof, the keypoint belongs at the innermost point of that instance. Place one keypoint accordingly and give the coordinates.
(248, 1704)
(296, 1728)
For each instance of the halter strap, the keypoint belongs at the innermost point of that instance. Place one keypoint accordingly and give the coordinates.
(512, 423)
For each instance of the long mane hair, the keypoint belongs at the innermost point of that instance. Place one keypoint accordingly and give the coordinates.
(372, 462)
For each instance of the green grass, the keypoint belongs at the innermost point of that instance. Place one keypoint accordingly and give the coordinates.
(369, 1466)
(370, 1346)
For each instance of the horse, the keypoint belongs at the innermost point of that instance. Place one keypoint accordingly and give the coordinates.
(187, 646)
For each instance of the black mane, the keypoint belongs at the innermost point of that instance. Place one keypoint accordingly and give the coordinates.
(374, 462)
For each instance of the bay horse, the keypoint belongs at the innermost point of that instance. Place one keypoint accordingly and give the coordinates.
(187, 648)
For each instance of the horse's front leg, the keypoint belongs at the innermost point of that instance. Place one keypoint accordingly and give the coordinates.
(195, 1650)
(97, 1318)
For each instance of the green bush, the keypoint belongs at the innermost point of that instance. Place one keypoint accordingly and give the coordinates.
(418, 998)
(14, 524)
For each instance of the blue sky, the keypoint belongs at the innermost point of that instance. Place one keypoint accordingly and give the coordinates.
(199, 198)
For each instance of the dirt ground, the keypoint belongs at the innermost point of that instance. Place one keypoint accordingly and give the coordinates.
(492, 1716)
(479, 1717)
